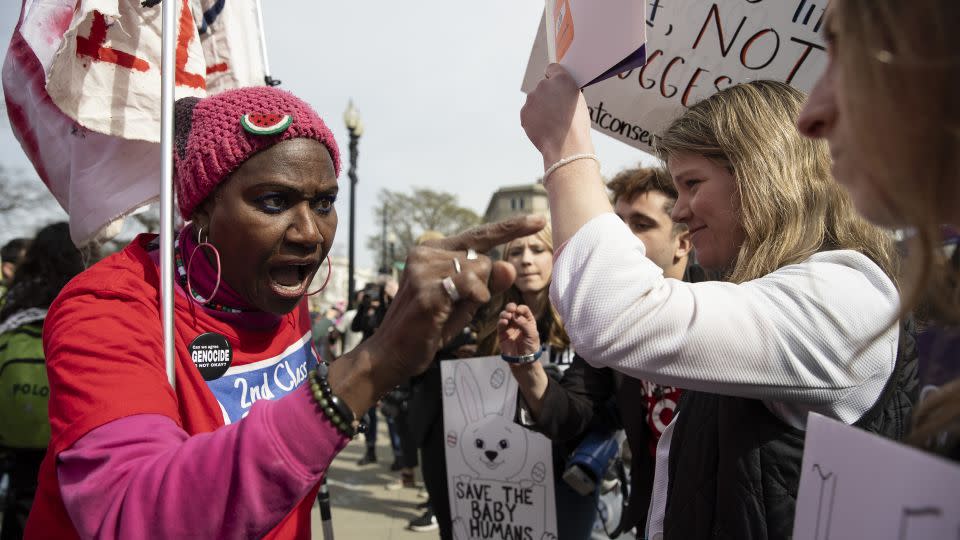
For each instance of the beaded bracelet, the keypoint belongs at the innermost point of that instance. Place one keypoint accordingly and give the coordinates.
(332, 406)
(565, 161)
(523, 359)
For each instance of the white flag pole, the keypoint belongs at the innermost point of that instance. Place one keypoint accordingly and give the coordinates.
(167, 81)
(267, 79)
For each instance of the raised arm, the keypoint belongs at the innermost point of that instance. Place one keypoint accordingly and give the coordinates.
(560, 410)
(557, 122)
(803, 333)
(517, 329)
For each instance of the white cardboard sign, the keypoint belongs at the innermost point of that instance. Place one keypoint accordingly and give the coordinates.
(857, 485)
(694, 49)
(500, 474)
(596, 40)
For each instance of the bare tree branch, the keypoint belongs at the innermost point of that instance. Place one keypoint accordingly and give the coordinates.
(411, 214)
(26, 205)
(21, 192)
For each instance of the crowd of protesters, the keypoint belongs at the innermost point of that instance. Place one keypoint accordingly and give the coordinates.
(35, 271)
(704, 308)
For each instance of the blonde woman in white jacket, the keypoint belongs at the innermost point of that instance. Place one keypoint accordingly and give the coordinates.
(800, 323)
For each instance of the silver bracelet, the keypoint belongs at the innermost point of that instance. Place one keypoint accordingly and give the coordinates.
(564, 161)
(522, 359)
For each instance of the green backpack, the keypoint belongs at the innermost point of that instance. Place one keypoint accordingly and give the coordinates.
(24, 389)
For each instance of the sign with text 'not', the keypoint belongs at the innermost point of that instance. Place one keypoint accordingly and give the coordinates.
(695, 49)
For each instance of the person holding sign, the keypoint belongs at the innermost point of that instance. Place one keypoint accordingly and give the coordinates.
(568, 409)
(532, 258)
(237, 449)
(895, 68)
(799, 323)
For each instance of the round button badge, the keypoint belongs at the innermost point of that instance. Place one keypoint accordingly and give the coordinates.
(212, 354)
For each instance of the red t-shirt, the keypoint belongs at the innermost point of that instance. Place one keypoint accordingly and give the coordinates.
(661, 406)
(104, 349)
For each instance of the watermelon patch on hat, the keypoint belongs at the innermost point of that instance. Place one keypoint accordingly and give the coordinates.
(265, 123)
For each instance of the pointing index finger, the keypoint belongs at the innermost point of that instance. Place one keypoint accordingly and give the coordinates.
(485, 237)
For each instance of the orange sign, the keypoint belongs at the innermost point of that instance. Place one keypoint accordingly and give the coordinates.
(563, 26)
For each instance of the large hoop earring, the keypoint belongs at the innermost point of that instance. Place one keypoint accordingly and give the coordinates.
(326, 281)
(190, 262)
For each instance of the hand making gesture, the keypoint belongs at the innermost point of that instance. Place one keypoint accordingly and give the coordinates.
(518, 332)
(521, 348)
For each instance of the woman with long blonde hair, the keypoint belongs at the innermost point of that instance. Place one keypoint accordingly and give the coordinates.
(887, 105)
(532, 258)
(798, 324)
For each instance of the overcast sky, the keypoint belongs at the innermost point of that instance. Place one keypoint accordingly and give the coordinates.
(437, 84)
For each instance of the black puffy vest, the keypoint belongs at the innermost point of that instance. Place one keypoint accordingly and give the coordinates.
(739, 465)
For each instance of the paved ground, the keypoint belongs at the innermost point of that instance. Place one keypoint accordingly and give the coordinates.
(362, 507)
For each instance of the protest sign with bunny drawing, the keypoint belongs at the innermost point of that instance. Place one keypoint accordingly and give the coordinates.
(499, 473)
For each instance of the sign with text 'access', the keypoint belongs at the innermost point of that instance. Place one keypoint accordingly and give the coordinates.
(695, 49)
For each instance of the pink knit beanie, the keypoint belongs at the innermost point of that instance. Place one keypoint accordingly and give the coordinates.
(215, 135)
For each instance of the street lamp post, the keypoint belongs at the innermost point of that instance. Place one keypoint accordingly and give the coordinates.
(392, 241)
(351, 117)
(384, 265)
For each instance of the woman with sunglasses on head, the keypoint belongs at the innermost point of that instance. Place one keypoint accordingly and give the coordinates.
(798, 323)
(237, 448)
(887, 105)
